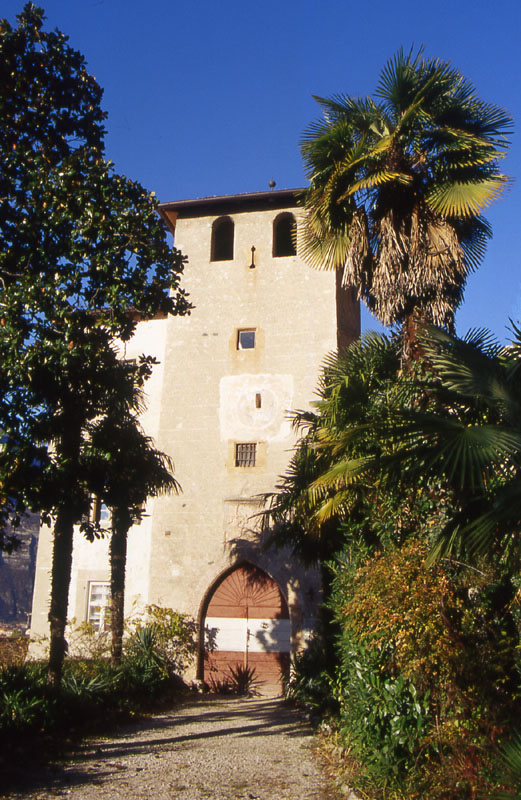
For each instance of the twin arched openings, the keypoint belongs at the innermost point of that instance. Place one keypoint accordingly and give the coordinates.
(284, 237)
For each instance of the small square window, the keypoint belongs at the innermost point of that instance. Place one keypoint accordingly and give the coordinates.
(99, 606)
(246, 339)
(245, 454)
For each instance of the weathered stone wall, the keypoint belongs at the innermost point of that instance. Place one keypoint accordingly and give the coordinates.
(208, 406)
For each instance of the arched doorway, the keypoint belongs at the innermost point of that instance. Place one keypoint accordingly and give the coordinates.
(247, 623)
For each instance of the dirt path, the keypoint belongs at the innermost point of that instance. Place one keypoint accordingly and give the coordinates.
(208, 749)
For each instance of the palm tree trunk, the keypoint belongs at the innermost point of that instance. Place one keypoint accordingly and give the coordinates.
(121, 523)
(412, 350)
(60, 580)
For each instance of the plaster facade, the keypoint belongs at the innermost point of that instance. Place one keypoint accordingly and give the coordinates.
(206, 396)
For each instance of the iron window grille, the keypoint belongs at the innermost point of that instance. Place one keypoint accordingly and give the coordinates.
(245, 454)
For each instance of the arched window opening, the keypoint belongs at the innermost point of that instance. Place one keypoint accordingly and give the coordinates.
(284, 235)
(222, 239)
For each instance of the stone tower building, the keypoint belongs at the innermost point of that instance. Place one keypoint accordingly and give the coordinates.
(218, 403)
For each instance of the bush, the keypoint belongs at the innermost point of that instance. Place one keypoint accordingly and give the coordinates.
(13, 648)
(93, 693)
(168, 637)
(428, 674)
(239, 680)
(310, 679)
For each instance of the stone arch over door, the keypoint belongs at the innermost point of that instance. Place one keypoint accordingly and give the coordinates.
(245, 621)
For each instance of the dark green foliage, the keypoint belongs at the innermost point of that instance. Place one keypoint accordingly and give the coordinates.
(429, 675)
(244, 680)
(239, 680)
(83, 255)
(311, 677)
(22, 701)
(468, 436)
(429, 668)
(142, 648)
(163, 636)
(93, 693)
(508, 770)
(315, 497)
(404, 456)
(383, 718)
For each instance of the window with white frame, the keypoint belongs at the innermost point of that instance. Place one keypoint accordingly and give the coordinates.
(98, 606)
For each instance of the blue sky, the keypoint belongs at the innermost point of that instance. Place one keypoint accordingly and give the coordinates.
(209, 98)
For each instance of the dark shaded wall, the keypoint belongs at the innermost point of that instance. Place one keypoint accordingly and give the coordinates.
(17, 575)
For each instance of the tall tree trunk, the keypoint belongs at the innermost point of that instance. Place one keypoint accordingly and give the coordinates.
(121, 522)
(69, 513)
(60, 580)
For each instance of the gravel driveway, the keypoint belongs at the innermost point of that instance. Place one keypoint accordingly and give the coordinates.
(209, 748)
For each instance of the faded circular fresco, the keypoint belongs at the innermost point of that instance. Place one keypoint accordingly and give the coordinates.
(239, 417)
(253, 417)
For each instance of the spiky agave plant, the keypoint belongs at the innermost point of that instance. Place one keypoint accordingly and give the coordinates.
(509, 770)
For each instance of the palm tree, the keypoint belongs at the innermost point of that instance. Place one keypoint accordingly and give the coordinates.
(455, 427)
(398, 185)
(468, 437)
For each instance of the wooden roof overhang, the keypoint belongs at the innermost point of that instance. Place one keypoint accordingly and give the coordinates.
(227, 204)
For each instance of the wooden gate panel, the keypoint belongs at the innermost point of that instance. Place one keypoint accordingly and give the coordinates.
(247, 623)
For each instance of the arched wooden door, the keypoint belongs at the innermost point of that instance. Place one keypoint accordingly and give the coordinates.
(247, 623)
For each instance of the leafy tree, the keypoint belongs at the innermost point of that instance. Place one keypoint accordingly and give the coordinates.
(445, 437)
(83, 256)
(398, 185)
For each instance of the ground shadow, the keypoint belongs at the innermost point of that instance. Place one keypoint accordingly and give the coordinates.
(96, 760)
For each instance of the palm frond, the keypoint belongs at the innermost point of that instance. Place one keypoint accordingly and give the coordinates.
(344, 472)
(466, 199)
(377, 178)
(320, 246)
(482, 528)
(509, 769)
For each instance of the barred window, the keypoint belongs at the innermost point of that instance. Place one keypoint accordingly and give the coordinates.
(245, 454)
